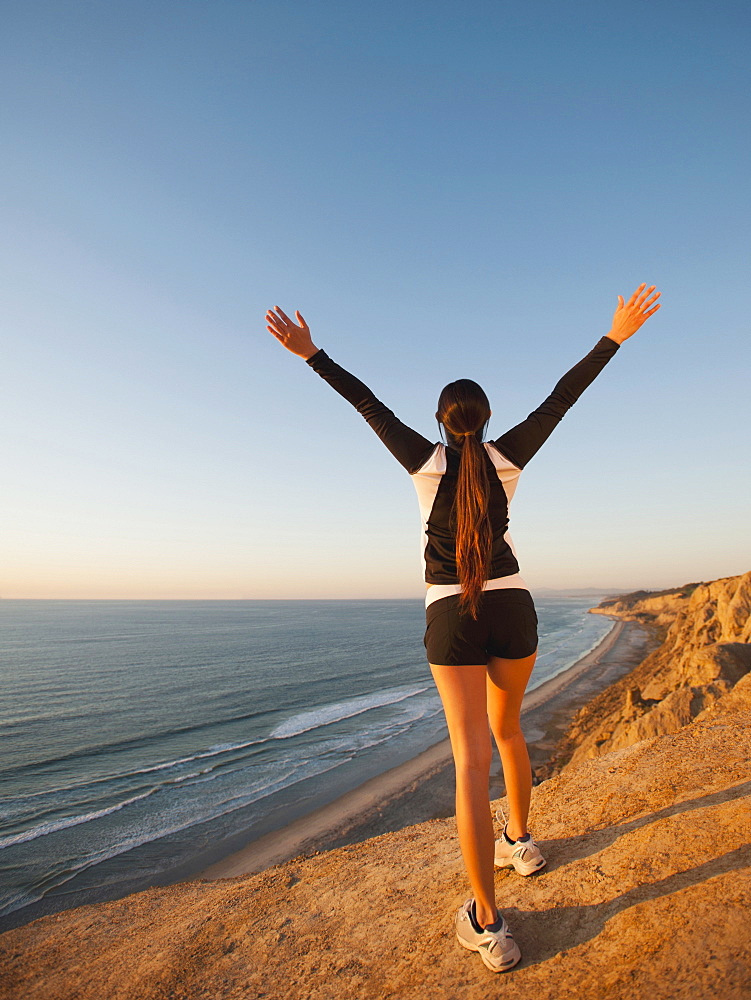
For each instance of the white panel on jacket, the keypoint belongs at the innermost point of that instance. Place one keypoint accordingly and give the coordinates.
(508, 473)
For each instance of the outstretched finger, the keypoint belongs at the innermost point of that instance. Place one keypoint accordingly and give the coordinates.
(651, 300)
(634, 296)
(645, 292)
(300, 320)
(651, 311)
(284, 316)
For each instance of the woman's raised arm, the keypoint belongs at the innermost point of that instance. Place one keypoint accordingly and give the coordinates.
(522, 442)
(408, 447)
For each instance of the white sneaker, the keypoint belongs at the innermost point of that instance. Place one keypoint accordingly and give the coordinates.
(497, 947)
(522, 855)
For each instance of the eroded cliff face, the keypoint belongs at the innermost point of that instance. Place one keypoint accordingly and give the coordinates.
(650, 607)
(705, 652)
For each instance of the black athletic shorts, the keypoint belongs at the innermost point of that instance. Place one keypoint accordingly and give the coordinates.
(506, 626)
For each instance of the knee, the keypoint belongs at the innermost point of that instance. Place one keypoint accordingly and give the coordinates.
(473, 758)
(510, 733)
(506, 726)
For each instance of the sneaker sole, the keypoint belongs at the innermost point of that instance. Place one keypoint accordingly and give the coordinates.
(509, 964)
(521, 867)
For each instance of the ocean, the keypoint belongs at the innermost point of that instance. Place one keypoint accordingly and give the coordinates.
(140, 741)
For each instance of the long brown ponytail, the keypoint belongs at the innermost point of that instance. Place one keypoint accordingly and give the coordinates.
(463, 409)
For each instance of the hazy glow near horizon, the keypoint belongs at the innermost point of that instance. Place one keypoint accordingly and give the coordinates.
(463, 195)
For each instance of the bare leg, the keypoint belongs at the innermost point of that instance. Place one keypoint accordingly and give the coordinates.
(506, 683)
(463, 693)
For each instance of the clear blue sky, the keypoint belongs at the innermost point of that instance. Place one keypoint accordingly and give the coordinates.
(444, 190)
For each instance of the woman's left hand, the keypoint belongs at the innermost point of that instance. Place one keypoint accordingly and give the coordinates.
(295, 338)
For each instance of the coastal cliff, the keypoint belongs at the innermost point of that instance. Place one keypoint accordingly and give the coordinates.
(706, 630)
(647, 890)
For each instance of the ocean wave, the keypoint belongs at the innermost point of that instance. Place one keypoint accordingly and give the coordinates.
(214, 751)
(325, 715)
(135, 743)
(63, 824)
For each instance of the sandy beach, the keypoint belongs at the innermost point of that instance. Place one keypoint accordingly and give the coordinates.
(422, 788)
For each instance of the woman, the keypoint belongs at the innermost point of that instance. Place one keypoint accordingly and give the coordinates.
(481, 635)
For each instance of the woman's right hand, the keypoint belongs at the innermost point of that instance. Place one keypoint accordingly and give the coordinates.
(295, 338)
(630, 316)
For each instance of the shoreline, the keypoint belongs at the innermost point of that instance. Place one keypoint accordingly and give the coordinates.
(422, 788)
(555, 685)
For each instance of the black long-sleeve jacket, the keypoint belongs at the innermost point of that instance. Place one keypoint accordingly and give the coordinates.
(434, 467)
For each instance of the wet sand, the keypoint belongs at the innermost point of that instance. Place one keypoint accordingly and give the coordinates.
(423, 788)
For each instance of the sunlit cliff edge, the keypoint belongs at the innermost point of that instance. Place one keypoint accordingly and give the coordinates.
(646, 894)
(706, 650)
